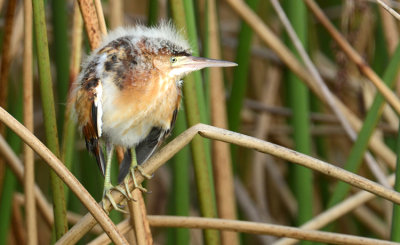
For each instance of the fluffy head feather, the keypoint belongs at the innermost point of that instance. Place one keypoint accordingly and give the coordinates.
(164, 35)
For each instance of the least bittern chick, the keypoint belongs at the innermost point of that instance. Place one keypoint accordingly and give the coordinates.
(129, 92)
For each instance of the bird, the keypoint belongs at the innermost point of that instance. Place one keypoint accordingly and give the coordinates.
(128, 94)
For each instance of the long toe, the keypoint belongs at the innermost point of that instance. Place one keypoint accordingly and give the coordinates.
(141, 171)
(129, 194)
(140, 187)
(107, 195)
(123, 191)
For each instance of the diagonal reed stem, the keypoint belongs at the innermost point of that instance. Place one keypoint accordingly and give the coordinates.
(64, 174)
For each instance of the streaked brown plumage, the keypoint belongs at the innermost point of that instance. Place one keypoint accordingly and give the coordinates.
(129, 92)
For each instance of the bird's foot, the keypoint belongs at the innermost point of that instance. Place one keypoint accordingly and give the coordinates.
(107, 195)
(132, 172)
(126, 184)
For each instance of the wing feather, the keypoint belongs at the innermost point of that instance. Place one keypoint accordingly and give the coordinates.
(89, 111)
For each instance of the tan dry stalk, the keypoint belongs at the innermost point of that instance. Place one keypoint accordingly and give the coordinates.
(91, 22)
(76, 46)
(139, 220)
(222, 167)
(29, 173)
(146, 224)
(268, 96)
(100, 17)
(116, 14)
(251, 211)
(389, 29)
(256, 228)
(389, 9)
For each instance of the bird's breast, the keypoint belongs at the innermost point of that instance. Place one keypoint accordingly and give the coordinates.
(130, 114)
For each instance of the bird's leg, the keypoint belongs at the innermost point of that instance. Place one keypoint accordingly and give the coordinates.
(134, 166)
(108, 187)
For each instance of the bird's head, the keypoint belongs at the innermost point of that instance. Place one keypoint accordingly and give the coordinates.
(164, 48)
(179, 65)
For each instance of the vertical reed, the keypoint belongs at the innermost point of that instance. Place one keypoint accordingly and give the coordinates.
(299, 102)
(183, 15)
(47, 97)
(29, 160)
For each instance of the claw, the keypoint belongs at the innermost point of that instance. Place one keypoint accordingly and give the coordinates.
(107, 195)
(140, 187)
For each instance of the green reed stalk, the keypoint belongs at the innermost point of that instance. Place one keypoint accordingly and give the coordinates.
(60, 221)
(153, 13)
(10, 183)
(180, 193)
(61, 54)
(183, 15)
(299, 102)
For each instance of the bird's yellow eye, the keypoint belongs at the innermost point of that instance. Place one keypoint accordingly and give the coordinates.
(174, 59)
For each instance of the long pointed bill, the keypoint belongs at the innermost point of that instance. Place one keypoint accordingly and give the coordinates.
(196, 63)
(187, 64)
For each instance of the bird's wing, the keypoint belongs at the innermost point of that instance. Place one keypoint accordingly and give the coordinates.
(89, 111)
(146, 147)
